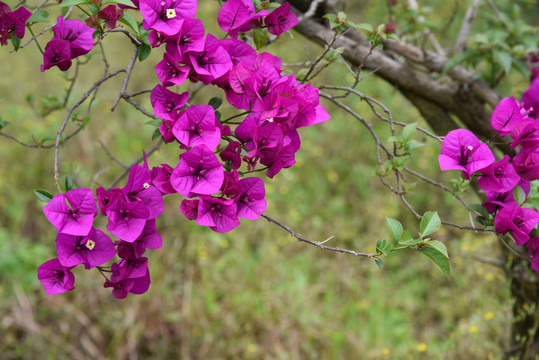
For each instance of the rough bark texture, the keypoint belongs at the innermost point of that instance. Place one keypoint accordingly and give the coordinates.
(416, 73)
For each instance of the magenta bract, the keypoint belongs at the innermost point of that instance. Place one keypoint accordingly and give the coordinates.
(75, 219)
(462, 150)
(55, 278)
(517, 221)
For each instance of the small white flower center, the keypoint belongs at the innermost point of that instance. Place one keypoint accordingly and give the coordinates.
(90, 244)
(470, 147)
(146, 185)
(270, 120)
(171, 13)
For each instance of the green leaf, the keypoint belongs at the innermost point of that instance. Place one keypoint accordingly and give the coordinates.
(429, 223)
(43, 195)
(144, 51)
(379, 263)
(438, 245)
(366, 27)
(408, 131)
(66, 3)
(260, 37)
(393, 139)
(503, 59)
(439, 258)
(519, 195)
(68, 183)
(395, 228)
(156, 134)
(153, 122)
(215, 102)
(121, 2)
(409, 242)
(16, 42)
(128, 20)
(39, 16)
(478, 208)
(460, 57)
(380, 245)
(521, 68)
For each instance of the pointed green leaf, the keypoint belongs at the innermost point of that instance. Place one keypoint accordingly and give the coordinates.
(144, 51)
(68, 183)
(66, 3)
(379, 263)
(438, 245)
(215, 102)
(408, 131)
(519, 195)
(39, 16)
(366, 27)
(43, 195)
(260, 36)
(122, 2)
(128, 20)
(156, 134)
(16, 42)
(459, 58)
(438, 258)
(393, 139)
(409, 242)
(478, 208)
(429, 223)
(380, 245)
(395, 228)
(503, 59)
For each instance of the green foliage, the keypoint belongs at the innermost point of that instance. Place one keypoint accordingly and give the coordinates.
(43, 195)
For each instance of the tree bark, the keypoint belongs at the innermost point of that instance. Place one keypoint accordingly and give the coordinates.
(417, 74)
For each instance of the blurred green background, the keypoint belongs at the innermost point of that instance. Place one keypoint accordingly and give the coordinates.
(253, 293)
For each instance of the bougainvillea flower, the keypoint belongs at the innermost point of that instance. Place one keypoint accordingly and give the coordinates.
(525, 134)
(133, 268)
(13, 22)
(92, 250)
(533, 248)
(169, 72)
(281, 20)
(219, 214)
(231, 186)
(500, 176)
(196, 126)
(462, 150)
(167, 104)
(110, 15)
(199, 172)
(77, 33)
(251, 202)
(126, 219)
(55, 278)
(166, 16)
(209, 64)
(122, 286)
(517, 221)
(497, 200)
(189, 208)
(232, 154)
(139, 187)
(149, 239)
(190, 38)
(57, 53)
(233, 14)
(161, 178)
(530, 98)
(526, 164)
(76, 219)
(277, 159)
(506, 116)
(165, 129)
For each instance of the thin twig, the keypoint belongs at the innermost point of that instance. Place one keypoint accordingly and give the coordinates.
(317, 244)
(112, 157)
(128, 71)
(138, 161)
(68, 116)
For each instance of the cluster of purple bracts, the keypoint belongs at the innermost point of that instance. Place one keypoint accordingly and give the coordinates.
(131, 213)
(12, 23)
(462, 150)
(209, 168)
(276, 103)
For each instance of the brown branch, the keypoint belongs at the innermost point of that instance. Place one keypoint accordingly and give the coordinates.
(128, 71)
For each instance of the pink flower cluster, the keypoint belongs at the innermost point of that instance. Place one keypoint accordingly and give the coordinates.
(462, 150)
(131, 213)
(210, 165)
(276, 105)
